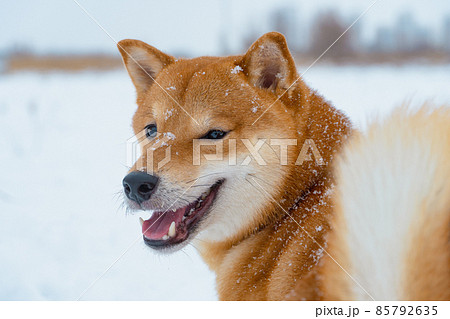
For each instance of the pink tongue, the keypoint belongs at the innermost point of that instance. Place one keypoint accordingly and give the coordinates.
(158, 225)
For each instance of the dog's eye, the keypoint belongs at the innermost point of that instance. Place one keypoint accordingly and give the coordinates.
(150, 130)
(214, 135)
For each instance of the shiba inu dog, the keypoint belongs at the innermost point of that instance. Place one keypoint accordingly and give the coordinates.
(237, 158)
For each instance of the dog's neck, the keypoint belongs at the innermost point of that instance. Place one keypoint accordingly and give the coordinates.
(322, 131)
(327, 128)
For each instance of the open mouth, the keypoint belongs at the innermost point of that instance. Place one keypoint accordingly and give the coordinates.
(167, 228)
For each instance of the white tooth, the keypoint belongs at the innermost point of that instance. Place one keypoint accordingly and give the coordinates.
(174, 210)
(141, 221)
(182, 219)
(198, 205)
(165, 237)
(171, 232)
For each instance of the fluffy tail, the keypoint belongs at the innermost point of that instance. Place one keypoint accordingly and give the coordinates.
(391, 230)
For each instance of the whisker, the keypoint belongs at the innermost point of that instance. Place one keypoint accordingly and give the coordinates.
(198, 239)
(191, 244)
(206, 175)
(186, 254)
(256, 177)
(200, 186)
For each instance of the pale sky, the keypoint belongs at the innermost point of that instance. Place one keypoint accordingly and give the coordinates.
(191, 27)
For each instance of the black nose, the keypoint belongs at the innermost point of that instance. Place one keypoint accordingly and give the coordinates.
(139, 186)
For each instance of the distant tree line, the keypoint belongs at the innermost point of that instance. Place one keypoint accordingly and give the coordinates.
(406, 39)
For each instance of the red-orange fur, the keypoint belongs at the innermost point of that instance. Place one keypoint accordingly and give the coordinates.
(272, 258)
(425, 266)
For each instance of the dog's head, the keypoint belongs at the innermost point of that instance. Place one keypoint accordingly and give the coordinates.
(218, 139)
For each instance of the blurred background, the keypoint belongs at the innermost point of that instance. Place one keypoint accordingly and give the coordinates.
(58, 35)
(66, 104)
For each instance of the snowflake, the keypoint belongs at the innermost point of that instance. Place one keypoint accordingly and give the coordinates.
(236, 69)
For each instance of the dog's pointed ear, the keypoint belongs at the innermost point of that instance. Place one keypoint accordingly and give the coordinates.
(143, 62)
(269, 64)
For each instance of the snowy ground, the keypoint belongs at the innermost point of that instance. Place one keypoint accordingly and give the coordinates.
(63, 155)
